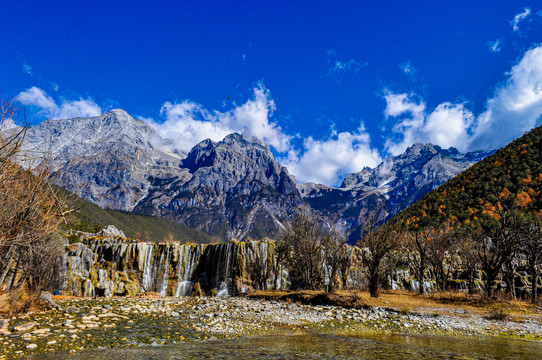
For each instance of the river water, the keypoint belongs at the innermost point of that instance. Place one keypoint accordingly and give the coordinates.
(326, 347)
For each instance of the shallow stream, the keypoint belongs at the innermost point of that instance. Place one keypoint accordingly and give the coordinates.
(325, 347)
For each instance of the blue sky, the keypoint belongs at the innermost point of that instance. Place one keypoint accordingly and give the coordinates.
(331, 87)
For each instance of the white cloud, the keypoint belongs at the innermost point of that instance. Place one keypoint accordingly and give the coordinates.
(494, 46)
(188, 123)
(398, 104)
(342, 67)
(327, 161)
(339, 68)
(410, 114)
(67, 109)
(409, 70)
(516, 106)
(519, 17)
(447, 125)
(323, 161)
(27, 69)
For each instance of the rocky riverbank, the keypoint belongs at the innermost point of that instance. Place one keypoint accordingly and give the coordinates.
(120, 322)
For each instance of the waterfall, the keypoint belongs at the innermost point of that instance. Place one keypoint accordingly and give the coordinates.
(146, 283)
(162, 289)
(113, 267)
(188, 259)
(224, 270)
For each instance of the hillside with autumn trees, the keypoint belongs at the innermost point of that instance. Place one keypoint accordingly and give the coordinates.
(485, 225)
(511, 177)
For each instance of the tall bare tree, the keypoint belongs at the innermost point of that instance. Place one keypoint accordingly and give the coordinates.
(337, 257)
(531, 241)
(417, 247)
(377, 243)
(498, 243)
(29, 216)
(303, 238)
(439, 255)
(468, 257)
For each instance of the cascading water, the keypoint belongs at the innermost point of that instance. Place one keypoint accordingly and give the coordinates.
(188, 259)
(224, 270)
(162, 288)
(148, 270)
(108, 267)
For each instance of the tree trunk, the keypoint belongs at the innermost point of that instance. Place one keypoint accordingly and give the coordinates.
(509, 280)
(421, 278)
(490, 282)
(344, 278)
(534, 287)
(331, 285)
(373, 283)
(470, 282)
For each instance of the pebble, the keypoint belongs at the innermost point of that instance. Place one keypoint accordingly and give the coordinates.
(31, 346)
(25, 327)
(233, 317)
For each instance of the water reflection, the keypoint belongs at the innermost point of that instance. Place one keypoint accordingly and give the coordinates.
(327, 347)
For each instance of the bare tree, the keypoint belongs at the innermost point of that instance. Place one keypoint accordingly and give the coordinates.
(468, 257)
(377, 243)
(303, 237)
(417, 248)
(531, 239)
(337, 257)
(497, 243)
(29, 216)
(438, 254)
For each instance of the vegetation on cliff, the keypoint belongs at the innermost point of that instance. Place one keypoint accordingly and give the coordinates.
(89, 217)
(512, 175)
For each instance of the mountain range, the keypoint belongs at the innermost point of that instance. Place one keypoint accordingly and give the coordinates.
(233, 188)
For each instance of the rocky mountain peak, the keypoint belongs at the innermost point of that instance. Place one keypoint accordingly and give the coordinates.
(231, 188)
(222, 165)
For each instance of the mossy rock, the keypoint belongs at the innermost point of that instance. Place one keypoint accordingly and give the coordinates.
(131, 288)
(196, 290)
(93, 274)
(121, 276)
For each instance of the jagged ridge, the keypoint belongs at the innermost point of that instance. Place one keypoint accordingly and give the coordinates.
(233, 188)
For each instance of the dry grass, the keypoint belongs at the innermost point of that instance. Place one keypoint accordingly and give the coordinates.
(149, 295)
(445, 303)
(456, 303)
(64, 297)
(312, 297)
(20, 301)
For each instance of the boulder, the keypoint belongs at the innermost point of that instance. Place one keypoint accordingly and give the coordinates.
(47, 297)
(112, 232)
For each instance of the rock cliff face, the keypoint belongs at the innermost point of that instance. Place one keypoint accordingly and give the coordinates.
(105, 159)
(107, 267)
(234, 188)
